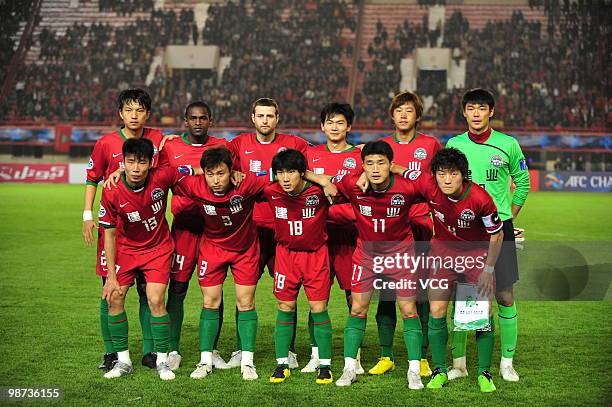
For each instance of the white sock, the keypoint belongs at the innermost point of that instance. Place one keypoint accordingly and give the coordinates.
(206, 358)
(505, 362)
(162, 357)
(282, 361)
(358, 356)
(315, 352)
(124, 357)
(459, 363)
(247, 358)
(414, 366)
(324, 362)
(350, 363)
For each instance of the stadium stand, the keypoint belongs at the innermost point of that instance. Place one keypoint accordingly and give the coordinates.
(305, 52)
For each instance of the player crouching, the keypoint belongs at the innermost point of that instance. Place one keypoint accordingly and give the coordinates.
(466, 225)
(137, 239)
(300, 212)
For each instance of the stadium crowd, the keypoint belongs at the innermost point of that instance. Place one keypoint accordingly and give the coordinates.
(294, 51)
(13, 14)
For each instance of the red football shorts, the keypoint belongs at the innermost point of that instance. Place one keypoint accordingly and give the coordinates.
(376, 267)
(101, 269)
(214, 261)
(185, 256)
(342, 242)
(154, 265)
(309, 269)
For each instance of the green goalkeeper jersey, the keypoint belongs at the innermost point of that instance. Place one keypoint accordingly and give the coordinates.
(493, 165)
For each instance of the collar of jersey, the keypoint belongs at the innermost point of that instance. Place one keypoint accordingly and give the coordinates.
(351, 148)
(391, 181)
(189, 143)
(397, 140)
(123, 135)
(463, 195)
(130, 187)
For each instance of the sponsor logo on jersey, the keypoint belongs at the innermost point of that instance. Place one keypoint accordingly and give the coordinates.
(393, 212)
(412, 175)
(308, 213)
(134, 216)
(523, 164)
(102, 211)
(350, 163)
(157, 193)
(312, 200)
(467, 215)
(420, 153)
(90, 164)
(280, 212)
(254, 165)
(497, 161)
(318, 170)
(464, 224)
(157, 206)
(398, 200)
(210, 210)
(365, 210)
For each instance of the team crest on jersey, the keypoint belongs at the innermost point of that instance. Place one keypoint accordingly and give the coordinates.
(102, 211)
(90, 164)
(497, 161)
(312, 200)
(467, 215)
(398, 200)
(236, 200)
(350, 163)
(412, 175)
(420, 153)
(157, 193)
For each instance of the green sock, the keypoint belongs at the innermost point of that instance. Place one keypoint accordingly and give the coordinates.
(160, 328)
(438, 337)
(118, 328)
(295, 320)
(485, 340)
(508, 329)
(423, 310)
(386, 318)
(175, 310)
(323, 334)
(209, 324)
(285, 327)
(459, 344)
(311, 330)
(238, 341)
(413, 337)
(353, 335)
(221, 312)
(104, 331)
(247, 324)
(145, 324)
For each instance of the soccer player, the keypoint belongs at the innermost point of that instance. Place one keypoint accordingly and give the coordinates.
(414, 150)
(137, 240)
(467, 226)
(300, 214)
(495, 160)
(188, 222)
(134, 106)
(254, 153)
(336, 157)
(382, 223)
(229, 240)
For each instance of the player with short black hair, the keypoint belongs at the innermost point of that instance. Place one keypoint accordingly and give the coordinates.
(134, 109)
(188, 222)
(300, 213)
(137, 241)
(336, 157)
(495, 162)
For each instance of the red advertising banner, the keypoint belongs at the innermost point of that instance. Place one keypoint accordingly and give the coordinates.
(30, 173)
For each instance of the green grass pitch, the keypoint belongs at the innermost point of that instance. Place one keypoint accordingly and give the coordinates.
(49, 328)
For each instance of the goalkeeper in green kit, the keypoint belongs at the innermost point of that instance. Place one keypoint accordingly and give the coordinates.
(495, 160)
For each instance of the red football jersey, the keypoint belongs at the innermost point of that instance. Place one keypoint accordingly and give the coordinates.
(140, 214)
(107, 155)
(299, 220)
(180, 151)
(473, 217)
(415, 155)
(381, 216)
(256, 157)
(323, 161)
(227, 218)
